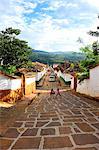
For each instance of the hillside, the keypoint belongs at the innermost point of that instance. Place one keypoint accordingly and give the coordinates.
(55, 57)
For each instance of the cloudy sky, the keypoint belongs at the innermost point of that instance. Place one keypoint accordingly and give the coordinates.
(51, 25)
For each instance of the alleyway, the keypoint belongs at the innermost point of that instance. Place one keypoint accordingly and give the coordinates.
(66, 122)
(46, 85)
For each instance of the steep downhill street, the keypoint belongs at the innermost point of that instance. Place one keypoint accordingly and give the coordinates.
(66, 122)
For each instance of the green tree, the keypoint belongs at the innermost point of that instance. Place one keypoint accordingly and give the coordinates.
(91, 60)
(13, 51)
(95, 47)
(91, 53)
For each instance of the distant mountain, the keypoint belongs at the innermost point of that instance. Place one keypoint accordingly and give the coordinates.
(55, 57)
(39, 51)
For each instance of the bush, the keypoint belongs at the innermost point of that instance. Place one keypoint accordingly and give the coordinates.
(82, 76)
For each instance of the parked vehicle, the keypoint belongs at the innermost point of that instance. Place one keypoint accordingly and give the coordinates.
(52, 78)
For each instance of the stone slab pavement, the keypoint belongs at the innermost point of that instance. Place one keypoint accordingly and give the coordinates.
(9, 112)
(66, 122)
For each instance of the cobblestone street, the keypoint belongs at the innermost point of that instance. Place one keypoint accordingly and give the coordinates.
(49, 75)
(67, 122)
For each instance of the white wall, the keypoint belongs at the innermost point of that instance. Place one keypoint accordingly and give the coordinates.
(90, 86)
(29, 80)
(13, 84)
(6, 83)
(66, 76)
(59, 73)
(39, 75)
(84, 87)
(94, 81)
(72, 83)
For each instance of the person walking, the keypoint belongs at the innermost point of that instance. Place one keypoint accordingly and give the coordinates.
(52, 92)
(58, 92)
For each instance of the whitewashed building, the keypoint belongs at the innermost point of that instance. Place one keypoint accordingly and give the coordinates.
(67, 77)
(39, 75)
(13, 88)
(90, 86)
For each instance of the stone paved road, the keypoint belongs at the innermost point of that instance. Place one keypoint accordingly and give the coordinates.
(66, 122)
(48, 85)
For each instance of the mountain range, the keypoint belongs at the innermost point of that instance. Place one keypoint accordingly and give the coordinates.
(55, 57)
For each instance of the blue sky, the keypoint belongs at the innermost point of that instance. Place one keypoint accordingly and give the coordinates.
(51, 25)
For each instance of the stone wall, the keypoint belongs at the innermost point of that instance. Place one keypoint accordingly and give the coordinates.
(10, 95)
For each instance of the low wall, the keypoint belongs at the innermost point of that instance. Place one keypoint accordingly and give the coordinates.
(7, 83)
(39, 75)
(88, 88)
(83, 87)
(65, 76)
(12, 89)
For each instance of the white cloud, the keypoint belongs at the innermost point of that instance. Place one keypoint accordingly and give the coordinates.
(45, 32)
(55, 5)
(75, 5)
(94, 3)
(28, 5)
(23, 6)
(49, 36)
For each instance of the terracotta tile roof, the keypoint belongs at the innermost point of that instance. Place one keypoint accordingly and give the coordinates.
(9, 76)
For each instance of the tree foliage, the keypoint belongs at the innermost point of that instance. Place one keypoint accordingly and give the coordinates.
(13, 51)
(94, 33)
(95, 47)
(90, 61)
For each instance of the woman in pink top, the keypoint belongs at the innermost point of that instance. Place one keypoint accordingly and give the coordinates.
(58, 92)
